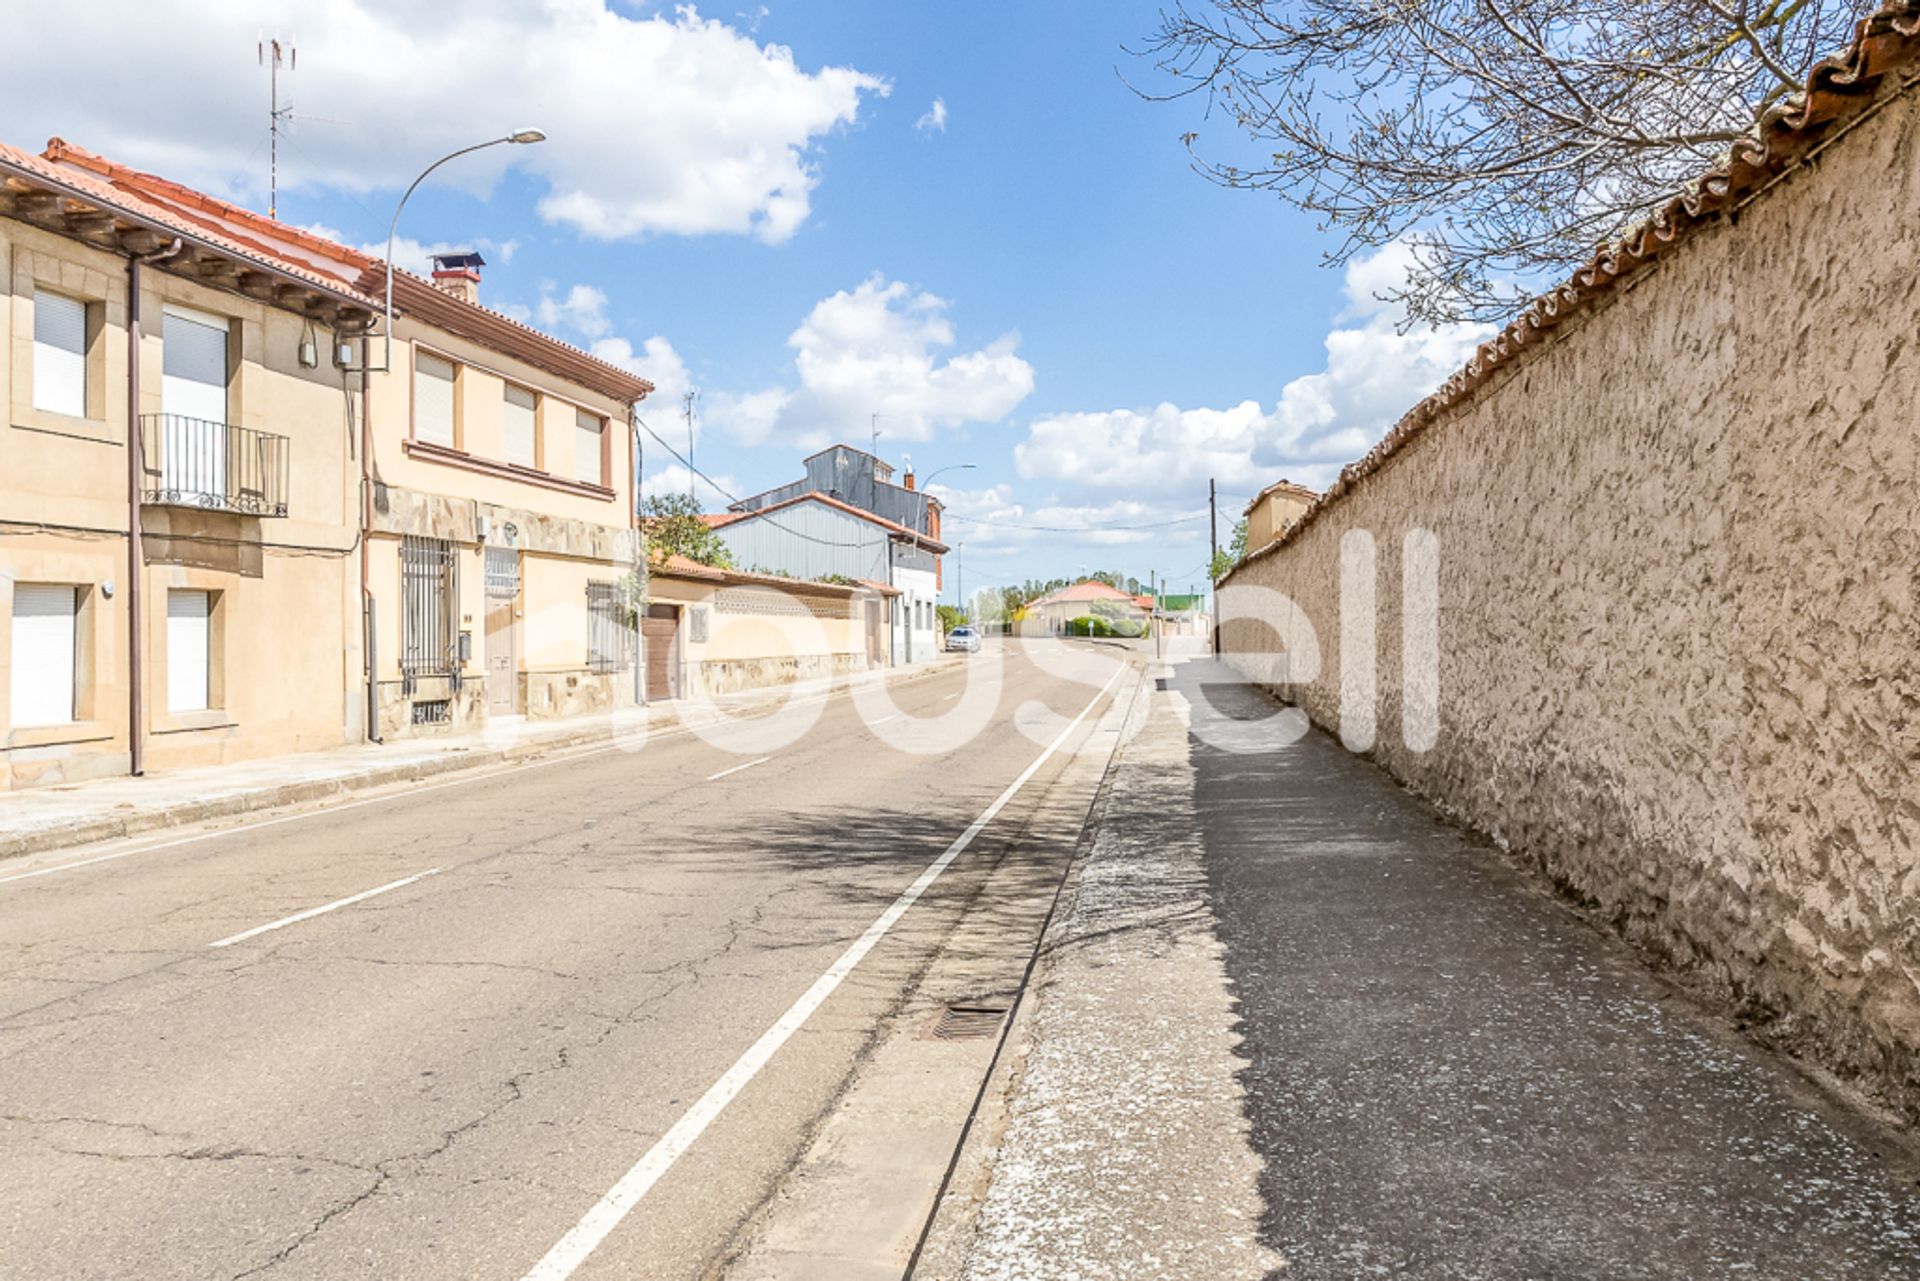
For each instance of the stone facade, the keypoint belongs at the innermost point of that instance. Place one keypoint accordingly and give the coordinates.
(1678, 633)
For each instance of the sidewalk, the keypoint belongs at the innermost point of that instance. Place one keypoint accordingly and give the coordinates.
(35, 820)
(1292, 1024)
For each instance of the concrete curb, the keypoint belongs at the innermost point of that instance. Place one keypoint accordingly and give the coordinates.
(955, 1216)
(309, 791)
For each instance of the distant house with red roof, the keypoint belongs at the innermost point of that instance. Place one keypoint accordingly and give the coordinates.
(1090, 598)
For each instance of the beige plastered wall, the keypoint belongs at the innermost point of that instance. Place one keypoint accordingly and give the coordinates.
(1678, 644)
(277, 686)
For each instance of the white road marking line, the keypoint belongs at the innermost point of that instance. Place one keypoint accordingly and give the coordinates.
(322, 910)
(600, 1221)
(949, 698)
(884, 719)
(736, 769)
(562, 757)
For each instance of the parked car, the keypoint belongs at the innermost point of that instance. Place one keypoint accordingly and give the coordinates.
(964, 639)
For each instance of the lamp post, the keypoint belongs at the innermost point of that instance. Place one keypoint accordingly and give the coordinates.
(519, 137)
(927, 484)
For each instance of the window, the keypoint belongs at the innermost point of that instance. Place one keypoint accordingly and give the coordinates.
(586, 447)
(193, 398)
(193, 372)
(433, 399)
(428, 593)
(59, 355)
(189, 651)
(522, 426)
(609, 636)
(44, 647)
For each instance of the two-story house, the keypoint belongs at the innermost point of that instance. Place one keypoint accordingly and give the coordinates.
(179, 522)
(239, 518)
(495, 494)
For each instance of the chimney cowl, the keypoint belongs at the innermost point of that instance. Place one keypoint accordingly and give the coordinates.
(458, 274)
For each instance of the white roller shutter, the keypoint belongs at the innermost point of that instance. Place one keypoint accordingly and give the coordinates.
(521, 425)
(187, 650)
(193, 395)
(432, 399)
(193, 380)
(43, 653)
(59, 355)
(586, 447)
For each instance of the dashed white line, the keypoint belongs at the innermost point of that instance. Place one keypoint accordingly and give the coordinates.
(585, 1237)
(323, 909)
(736, 769)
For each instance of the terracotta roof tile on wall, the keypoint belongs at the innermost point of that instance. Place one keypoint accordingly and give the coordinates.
(89, 183)
(341, 268)
(1841, 90)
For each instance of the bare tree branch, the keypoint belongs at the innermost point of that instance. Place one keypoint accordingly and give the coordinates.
(1502, 139)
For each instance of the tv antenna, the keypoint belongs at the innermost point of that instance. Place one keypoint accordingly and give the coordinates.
(273, 54)
(693, 394)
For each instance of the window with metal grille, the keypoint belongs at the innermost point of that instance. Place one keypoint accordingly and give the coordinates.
(609, 638)
(429, 595)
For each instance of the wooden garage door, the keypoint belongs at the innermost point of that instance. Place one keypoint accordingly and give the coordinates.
(660, 635)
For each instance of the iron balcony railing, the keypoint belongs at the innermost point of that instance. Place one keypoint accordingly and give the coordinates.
(190, 462)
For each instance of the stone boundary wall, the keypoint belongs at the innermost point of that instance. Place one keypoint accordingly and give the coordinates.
(1678, 634)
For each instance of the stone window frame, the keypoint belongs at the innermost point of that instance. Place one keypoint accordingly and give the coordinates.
(104, 295)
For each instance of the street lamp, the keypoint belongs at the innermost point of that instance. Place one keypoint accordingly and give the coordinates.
(519, 137)
(949, 467)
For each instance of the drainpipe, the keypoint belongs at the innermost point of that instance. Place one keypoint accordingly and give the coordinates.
(369, 619)
(136, 559)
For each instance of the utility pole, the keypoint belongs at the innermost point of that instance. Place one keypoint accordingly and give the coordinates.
(692, 393)
(272, 54)
(1213, 557)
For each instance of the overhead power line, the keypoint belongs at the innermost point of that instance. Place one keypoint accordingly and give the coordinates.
(1081, 529)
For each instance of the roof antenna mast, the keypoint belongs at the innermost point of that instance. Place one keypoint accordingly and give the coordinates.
(273, 54)
(693, 394)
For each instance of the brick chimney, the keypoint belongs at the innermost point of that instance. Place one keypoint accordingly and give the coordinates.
(459, 275)
(908, 460)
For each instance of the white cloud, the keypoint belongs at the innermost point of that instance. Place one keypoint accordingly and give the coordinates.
(583, 310)
(659, 364)
(666, 123)
(877, 350)
(936, 118)
(672, 479)
(1322, 421)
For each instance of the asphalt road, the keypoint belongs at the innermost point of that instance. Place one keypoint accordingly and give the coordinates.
(553, 967)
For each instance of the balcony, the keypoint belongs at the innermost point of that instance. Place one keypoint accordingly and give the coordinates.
(208, 466)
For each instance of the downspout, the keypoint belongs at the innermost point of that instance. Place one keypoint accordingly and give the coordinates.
(136, 558)
(369, 619)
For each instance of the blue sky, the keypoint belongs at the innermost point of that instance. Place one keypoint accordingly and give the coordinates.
(1030, 279)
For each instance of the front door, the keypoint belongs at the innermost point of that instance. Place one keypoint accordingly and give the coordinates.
(876, 636)
(503, 658)
(660, 638)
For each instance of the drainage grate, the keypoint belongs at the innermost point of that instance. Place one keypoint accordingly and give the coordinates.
(968, 1022)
